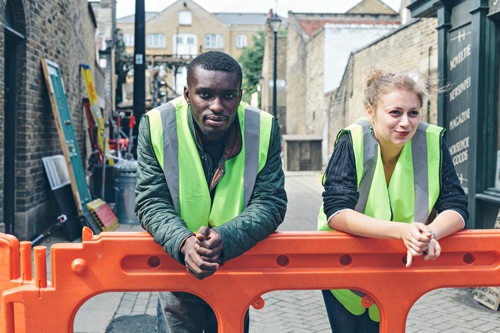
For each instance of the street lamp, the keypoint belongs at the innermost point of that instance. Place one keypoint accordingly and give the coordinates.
(274, 22)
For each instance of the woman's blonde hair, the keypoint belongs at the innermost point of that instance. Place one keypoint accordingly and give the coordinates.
(379, 82)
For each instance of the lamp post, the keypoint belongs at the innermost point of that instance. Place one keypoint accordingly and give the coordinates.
(274, 22)
(139, 70)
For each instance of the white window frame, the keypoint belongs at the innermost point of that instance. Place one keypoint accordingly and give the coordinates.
(185, 49)
(128, 39)
(155, 41)
(214, 42)
(185, 17)
(241, 41)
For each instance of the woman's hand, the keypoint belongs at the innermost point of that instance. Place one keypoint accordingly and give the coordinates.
(433, 251)
(416, 237)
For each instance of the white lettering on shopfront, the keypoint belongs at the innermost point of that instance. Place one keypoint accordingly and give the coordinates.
(460, 151)
(460, 119)
(460, 57)
(460, 88)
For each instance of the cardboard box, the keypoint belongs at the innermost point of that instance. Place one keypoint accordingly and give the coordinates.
(488, 296)
(497, 222)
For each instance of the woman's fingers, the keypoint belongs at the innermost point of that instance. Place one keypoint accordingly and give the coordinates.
(409, 258)
(437, 249)
(417, 246)
(420, 232)
(434, 250)
(430, 253)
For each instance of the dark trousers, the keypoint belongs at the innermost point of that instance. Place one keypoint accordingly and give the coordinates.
(180, 312)
(342, 321)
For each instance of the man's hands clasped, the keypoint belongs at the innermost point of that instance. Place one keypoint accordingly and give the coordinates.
(419, 241)
(202, 253)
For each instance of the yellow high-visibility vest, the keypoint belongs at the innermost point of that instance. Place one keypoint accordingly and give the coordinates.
(177, 153)
(410, 196)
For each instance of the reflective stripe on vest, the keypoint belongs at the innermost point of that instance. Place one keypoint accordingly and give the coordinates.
(405, 199)
(175, 147)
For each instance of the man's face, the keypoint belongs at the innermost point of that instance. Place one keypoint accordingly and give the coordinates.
(214, 97)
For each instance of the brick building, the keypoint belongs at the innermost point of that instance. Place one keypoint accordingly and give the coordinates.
(61, 31)
(105, 13)
(315, 52)
(411, 49)
(320, 45)
(185, 29)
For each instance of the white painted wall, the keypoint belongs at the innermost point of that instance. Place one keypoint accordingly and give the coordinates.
(340, 41)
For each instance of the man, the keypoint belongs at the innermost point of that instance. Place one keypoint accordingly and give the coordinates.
(193, 153)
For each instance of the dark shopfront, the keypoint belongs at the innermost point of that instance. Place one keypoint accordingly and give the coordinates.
(468, 63)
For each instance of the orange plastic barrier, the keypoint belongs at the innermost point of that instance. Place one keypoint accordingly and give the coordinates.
(315, 260)
(13, 272)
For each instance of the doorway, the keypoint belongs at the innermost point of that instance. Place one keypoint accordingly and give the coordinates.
(14, 41)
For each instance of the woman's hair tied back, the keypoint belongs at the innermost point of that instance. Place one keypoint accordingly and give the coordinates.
(379, 82)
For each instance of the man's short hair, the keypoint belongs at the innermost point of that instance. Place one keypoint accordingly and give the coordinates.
(214, 61)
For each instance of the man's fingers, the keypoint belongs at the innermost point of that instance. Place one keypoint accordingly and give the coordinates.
(210, 253)
(201, 268)
(212, 239)
(210, 244)
(202, 233)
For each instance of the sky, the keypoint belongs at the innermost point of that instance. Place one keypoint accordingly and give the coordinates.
(127, 7)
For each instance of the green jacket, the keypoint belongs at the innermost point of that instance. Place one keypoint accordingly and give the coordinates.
(156, 212)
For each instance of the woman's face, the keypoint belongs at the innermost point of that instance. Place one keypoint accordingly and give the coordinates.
(395, 118)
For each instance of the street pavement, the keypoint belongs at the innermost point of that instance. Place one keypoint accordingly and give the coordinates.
(443, 310)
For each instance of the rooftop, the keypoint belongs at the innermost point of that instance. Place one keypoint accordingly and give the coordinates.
(242, 18)
(131, 18)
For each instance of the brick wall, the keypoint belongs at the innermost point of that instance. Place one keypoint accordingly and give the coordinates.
(312, 117)
(296, 76)
(411, 49)
(63, 32)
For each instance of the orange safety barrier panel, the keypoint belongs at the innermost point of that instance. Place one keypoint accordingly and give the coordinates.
(314, 260)
(13, 272)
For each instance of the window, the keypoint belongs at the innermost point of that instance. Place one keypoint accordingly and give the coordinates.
(185, 17)
(155, 40)
(241, 41)
(214, 41)
(128, 39)
(180, 80)
(185, 45)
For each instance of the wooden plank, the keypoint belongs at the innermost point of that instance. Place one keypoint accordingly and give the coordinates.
(66, 134)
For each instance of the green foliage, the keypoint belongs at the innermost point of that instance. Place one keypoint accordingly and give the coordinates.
(251, 62)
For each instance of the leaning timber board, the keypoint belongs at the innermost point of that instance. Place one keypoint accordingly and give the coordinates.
(66, 133)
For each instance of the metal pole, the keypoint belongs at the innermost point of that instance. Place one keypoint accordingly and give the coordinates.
(139, 64)
(275, 110)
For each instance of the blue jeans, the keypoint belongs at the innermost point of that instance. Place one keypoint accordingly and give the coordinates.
(342, 321)
(180, 312)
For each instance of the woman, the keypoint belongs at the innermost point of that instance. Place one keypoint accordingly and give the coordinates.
(384, 169)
